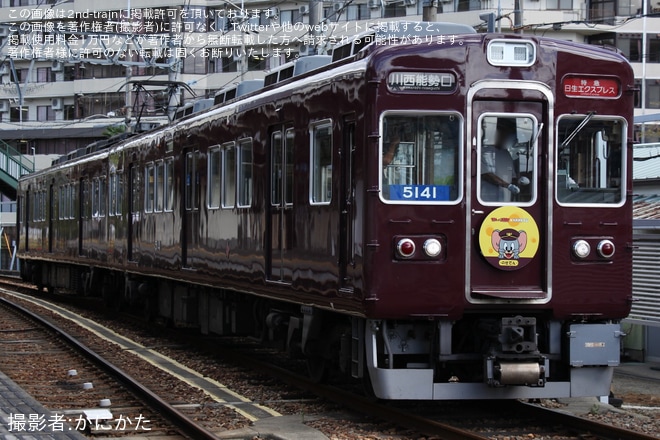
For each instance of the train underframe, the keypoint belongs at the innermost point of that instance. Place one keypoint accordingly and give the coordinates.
(481, 356)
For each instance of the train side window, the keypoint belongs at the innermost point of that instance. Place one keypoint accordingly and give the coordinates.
(86, 213)
(112, 194)
(73, 199)
(276, 169)
(420, 158)
(95, 197)
(191, 182)
(288, 163)
(98, 197)
(135, 190)
(70, 200)
(229, 175)
(169, 185)
(591, 157)
(61, 202)
(158, 186)
(119, 183)
(102, 197)
(214, 173)
(149, 186)
(321, 163)
(245, 173)
(74, 206)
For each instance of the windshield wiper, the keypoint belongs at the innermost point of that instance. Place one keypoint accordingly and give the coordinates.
(580, 126)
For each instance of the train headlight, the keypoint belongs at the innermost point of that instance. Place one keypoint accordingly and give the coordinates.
(405, 248)
(518, 53)
(432, 247)
(606, 249)
(581, 249)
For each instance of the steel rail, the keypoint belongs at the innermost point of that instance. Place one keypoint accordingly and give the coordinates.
(187, 426)
(350, 399)
(581, 424)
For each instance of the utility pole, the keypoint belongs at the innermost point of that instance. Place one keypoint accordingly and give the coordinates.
(315, 18)
(175, 66)
(517, 17)
(429, 10)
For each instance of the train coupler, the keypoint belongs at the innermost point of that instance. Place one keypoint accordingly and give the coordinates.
(503, 372)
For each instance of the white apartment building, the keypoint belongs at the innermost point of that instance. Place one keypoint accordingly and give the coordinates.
(71, 68)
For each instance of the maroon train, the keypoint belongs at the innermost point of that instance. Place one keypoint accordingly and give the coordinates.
(444, 214)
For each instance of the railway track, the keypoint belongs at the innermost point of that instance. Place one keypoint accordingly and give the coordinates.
(437, 420)
(27, 338)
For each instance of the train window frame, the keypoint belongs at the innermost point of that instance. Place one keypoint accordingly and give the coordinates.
(276, 146)
(119, 206)
(229, 175)
(98, 197)
(319, 182)
(214, 180)
(149, 187)
(95, 197)
(566, 180)
(534, 160)
(102, 197)
(86, 191)
(421, 194)
(289, 145)
(61, 212)
(135, 175)
(113, 189)
(168, 201)
(245, 175)
(191, 181)
(159, 180)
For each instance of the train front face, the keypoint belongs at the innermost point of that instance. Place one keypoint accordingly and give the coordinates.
(500, 236)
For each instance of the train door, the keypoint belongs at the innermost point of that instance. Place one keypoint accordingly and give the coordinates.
(280, 204)
(508, 199)
(346, 211)
(190, 232)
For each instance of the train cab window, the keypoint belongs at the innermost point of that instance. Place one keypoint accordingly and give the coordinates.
(321, 163)
(590, 156)
(420, 158)
(229, 175)
(244, 179)
(214, 180)
(507, 158)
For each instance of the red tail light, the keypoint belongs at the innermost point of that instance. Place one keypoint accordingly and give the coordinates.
(405, 247)
(606, 249)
